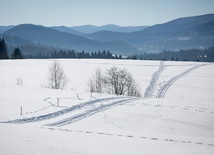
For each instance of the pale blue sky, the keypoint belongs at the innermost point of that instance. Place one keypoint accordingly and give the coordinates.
(99, 12)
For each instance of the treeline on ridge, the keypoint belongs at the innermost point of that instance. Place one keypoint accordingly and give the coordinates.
(203, 55)
(75, 55)
(18, 54)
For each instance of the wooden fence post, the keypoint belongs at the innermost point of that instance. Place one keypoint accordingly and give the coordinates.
(21, 111)
(78, 97)
(57, 101)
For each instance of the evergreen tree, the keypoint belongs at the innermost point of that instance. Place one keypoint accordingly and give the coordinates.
(17, 54)
(134, 57)
(109, 55)
(104, 54)
(99, 55)
(3, 50)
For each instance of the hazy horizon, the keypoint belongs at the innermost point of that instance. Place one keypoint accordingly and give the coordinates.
(100, 12)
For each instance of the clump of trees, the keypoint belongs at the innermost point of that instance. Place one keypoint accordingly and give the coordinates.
(17, 54)
(56, 76)
(114, 81)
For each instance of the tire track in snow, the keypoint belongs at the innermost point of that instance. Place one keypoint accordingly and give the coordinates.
(60, 112)
(151, 88)
(161, 93)
(89, 112)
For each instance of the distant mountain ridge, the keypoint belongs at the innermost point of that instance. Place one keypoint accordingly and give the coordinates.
(182, 33)
(45, 36)
(174, 35)
(67, 30)
(88, 29)
(5, 28)
(169, 36)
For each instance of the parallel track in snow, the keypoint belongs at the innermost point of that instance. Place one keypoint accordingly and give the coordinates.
(62, 112)
(151, 88)
(161, 93)
(89, 112)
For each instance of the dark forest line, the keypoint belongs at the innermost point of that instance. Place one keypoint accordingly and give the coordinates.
(202, 55)
(75, 55)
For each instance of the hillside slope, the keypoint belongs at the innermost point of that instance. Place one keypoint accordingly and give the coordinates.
(182, 33)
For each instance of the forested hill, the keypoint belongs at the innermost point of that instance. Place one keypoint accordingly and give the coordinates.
(182, 33)
(195, 32)
(45, 36)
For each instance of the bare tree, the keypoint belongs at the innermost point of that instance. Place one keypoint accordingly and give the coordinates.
(91, 85)
(116, 81)
(121, 82)
(96, 82)
(56, 76)
(132, 87)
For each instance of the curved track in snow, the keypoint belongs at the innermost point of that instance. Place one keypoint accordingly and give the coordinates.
(62, 112)
(161, 93)
(89, 112)
(151, 88)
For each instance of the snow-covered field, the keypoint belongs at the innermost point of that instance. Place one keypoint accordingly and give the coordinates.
(175, 114)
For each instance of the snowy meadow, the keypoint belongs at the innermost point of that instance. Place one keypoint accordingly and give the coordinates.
(174, 114)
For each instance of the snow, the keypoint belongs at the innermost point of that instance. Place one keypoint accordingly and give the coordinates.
(179, 123)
